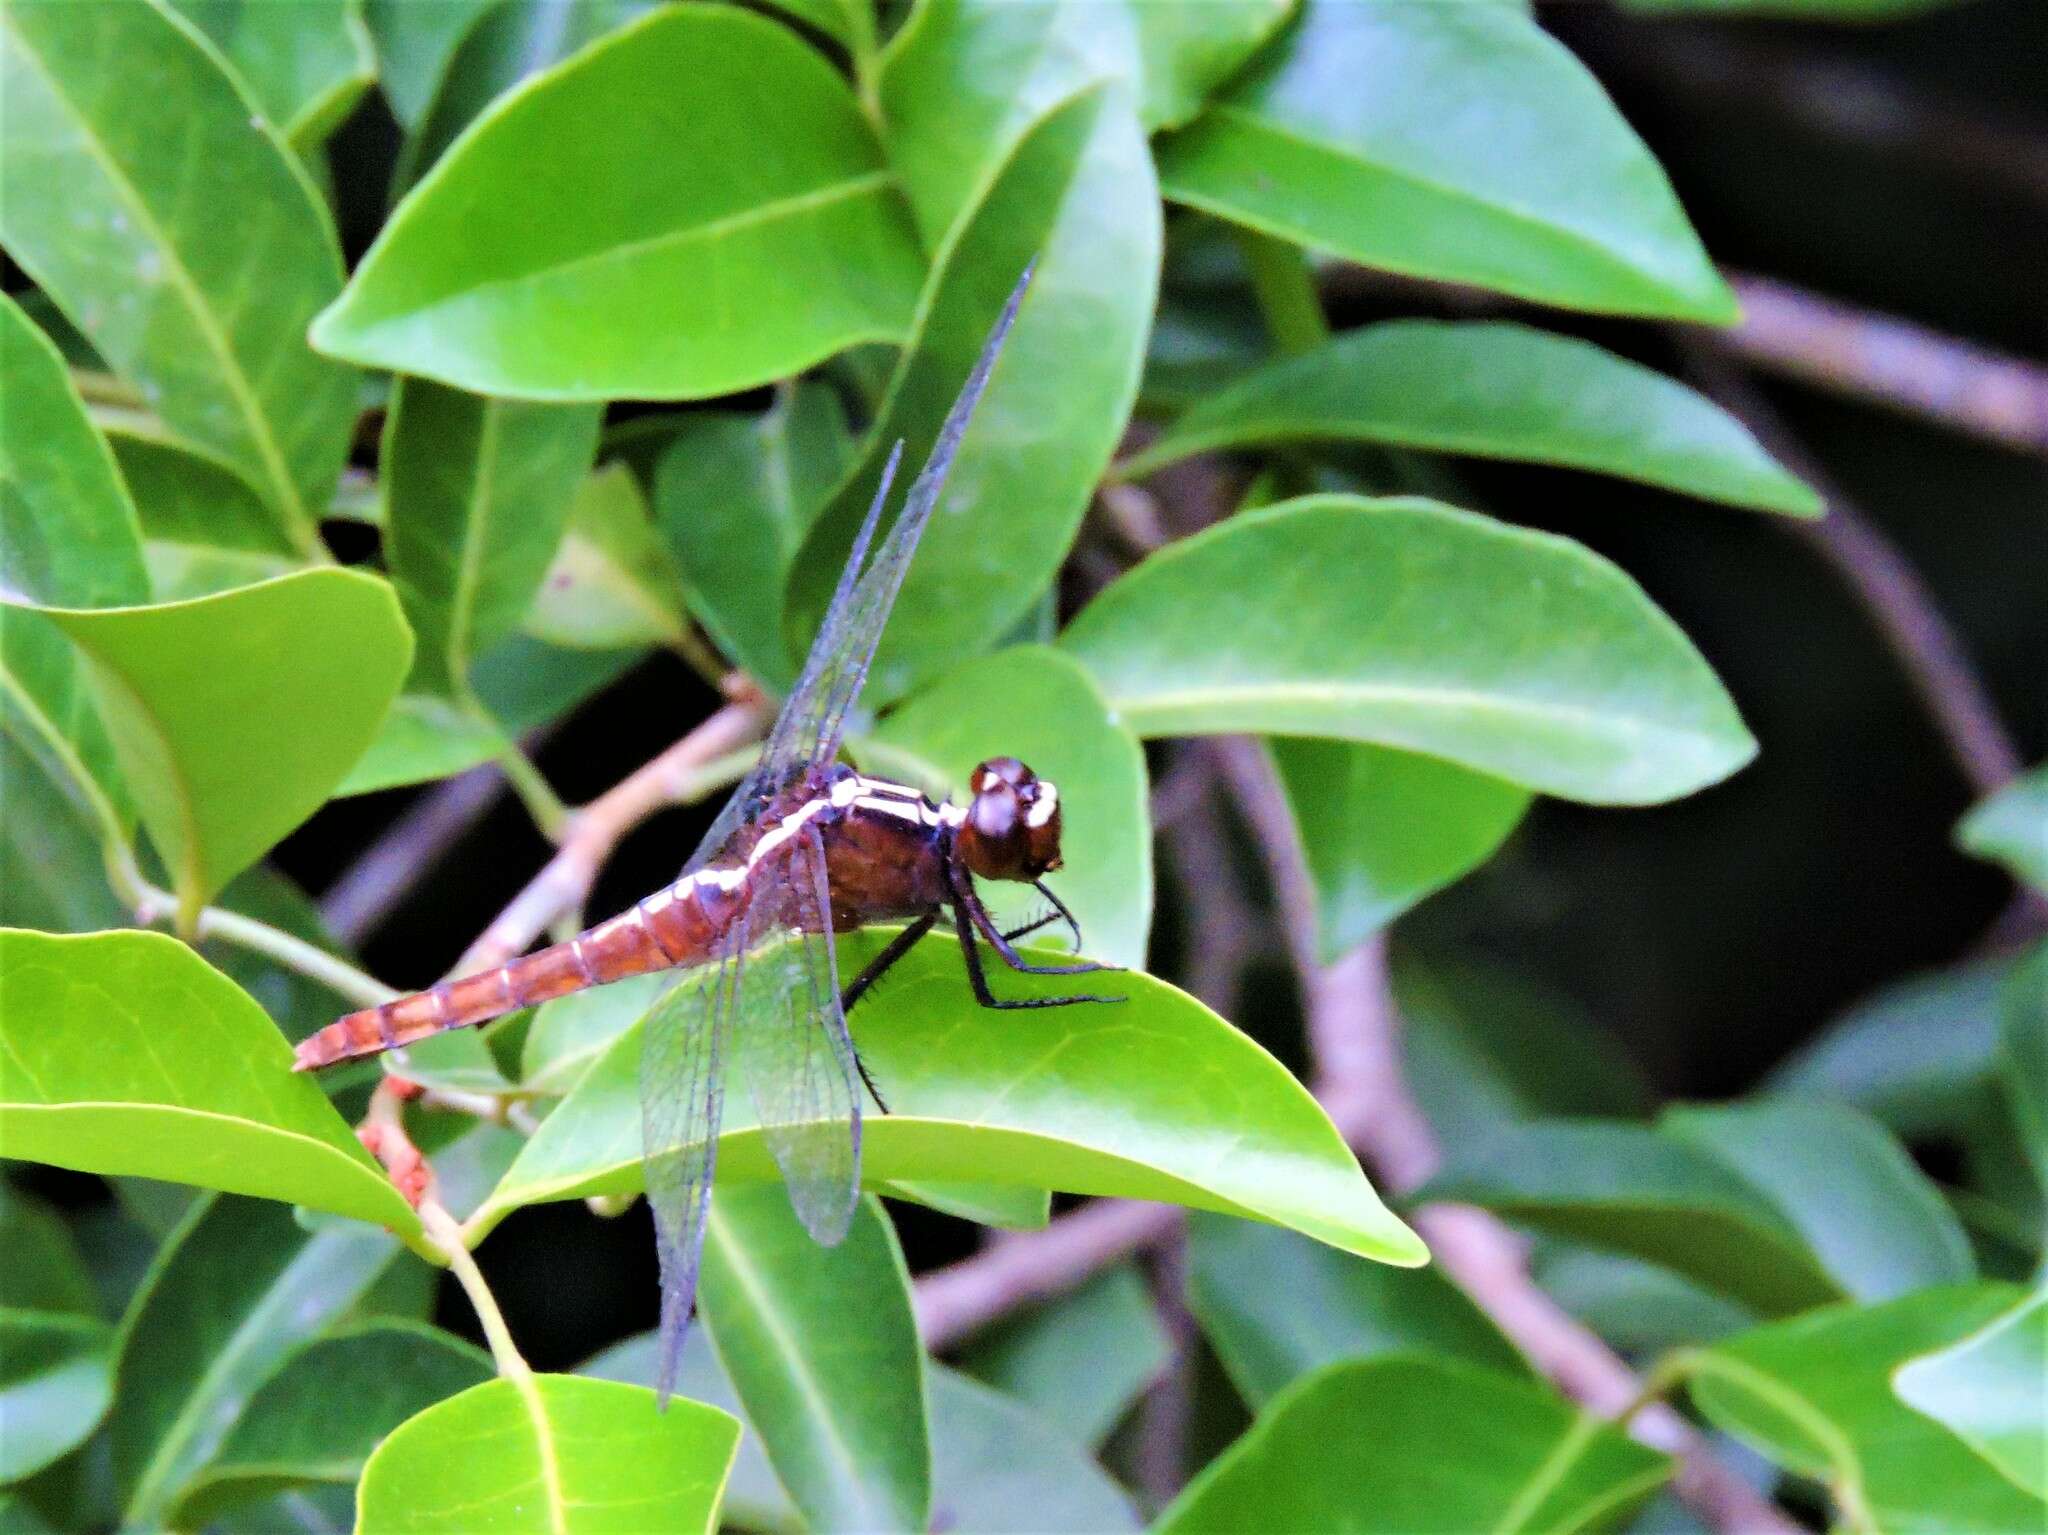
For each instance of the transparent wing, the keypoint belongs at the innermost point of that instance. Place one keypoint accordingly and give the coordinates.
(682, 1096)
(789, 1037)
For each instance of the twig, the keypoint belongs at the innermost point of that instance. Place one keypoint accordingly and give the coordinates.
(1893, 362)
(688, 769)
(1161, 1459)
(372, 887)
(1888, 587)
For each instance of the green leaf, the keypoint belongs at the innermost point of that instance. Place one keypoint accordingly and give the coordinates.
(239, 1288)
(1426, 1444)
(2011, 828)
(1332, 616)
(1493, 389)
(571, 1033)
(553, 1454)
(612, 583)
(52, 871)
(752, 246)
(477, 493)
(1991, 1391)
(1077, 198)
(1641, 1309)
(423, 738)
(2023, 1056)
(206, 527)
(304, 63)
(56, 1382)
(414, 43)
(822, 1347)
(68, 537)
(1036, 704)
(1383, 829)
(1276, 1307)
(1155, 1098)
(1079, 1361)
(143, 208)
(1653, 1195)
(998, 1467)
(44, 1272)
(1873, 1220)
(126, 1053)
(1190, 50)
(734, 496)
(1814, 1393)
(234, 716)
(292, 1433)
(1340, 137)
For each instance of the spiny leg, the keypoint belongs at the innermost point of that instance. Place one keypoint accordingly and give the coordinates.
(1060, 907)
(964, 895)
(978, 979)
(1014, 933)
(872, 972)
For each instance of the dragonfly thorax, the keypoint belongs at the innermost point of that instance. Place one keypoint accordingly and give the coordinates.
(1012, 826)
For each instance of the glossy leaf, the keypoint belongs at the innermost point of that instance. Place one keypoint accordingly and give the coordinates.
(1277, 1307)
(554, 1454)
(1036, 704)
(1991, 1391)
(240, 1288)
(477, 494)
(570, 1034)
(1427, 1445)
(1333, 616)
(734, 496)
(1383, 829)
(822, 1347)
(1155, 1098)
(1082, 1359)
(304, 63)
(1870, 1215)
(1635, 1190)
(1076, 198)
(1814, 1393)
(139, 197)
(1449, 141)
(611, 584)
(234, 716)
(318, 1418)
(2011, 827)
(126, 1053)
(1493, 389)
(751, 246)
(206, 527)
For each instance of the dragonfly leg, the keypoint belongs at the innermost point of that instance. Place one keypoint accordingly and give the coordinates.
(1028, 928)
(1000, 942)
(1060, 907)
(977, 978)
(898, 946)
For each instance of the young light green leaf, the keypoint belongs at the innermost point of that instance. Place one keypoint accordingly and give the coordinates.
(1006, 1206)
(1814, 1393)
(1076, 197)
(551, 1454)
(304, 63)
(1494, 389)
(1870, 1216)
(126, 1053)
(1036, 704)
(612, 584)
(734, 496)
(240, 1288)
(140, 197)
(1332, 616)
(318, 1418)
(1991, 1391)
(1156, 1098)
(1428, 1444)
(1190, 50)
(1383, 829)
(2011, 828)
(839, 1403)
(1276, 1307)
(751, 247)
(1450, 141)
(234, 716)
(1082, 1359)
(477, 492)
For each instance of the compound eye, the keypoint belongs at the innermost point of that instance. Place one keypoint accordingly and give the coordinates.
(999, 771)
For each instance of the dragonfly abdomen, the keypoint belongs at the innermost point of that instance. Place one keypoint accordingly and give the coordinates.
(671, 929)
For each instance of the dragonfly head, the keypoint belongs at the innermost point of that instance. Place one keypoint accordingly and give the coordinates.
(1012, 826)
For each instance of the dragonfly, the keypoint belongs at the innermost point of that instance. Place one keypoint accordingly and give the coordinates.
(807, 846)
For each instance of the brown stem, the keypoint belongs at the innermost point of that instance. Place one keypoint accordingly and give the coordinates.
(372, 887)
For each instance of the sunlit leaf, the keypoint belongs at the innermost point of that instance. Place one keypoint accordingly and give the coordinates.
(138, 195)
(735, 246)
(1410, 624)
(126, 1053)
(611, 584)
(553, 1454)
(1450, 141)
(1496, 390)
(822, 1347)
(1991, 1390)
(1426, 1444)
